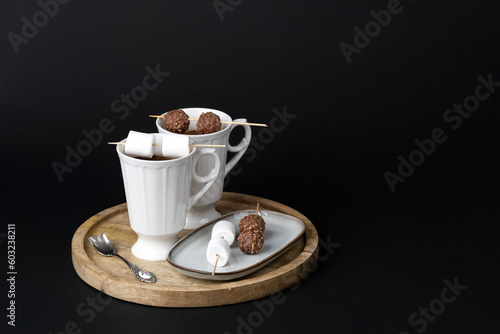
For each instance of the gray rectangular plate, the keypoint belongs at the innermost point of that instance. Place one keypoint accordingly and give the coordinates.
(188, 255)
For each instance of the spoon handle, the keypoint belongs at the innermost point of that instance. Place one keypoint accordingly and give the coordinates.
(142, 275)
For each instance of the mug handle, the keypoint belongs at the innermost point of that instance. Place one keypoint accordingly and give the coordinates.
(209, 179)
(241, 148)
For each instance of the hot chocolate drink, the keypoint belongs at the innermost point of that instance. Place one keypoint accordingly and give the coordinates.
(156, 158)
(192, 132)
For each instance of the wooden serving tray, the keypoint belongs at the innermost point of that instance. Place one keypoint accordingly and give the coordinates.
(173, 289)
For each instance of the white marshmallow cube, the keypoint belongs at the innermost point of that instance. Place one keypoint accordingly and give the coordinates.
(175, 146)
(217, 246)
(139, 144)
(224, 229)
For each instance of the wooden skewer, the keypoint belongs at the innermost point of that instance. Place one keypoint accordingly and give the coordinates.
(228, 122)
(215, 265)
(233, 122)
(257, 211)
(192, 145)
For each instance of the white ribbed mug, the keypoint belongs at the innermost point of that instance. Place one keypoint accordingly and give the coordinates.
(158, 197)
(204, 210)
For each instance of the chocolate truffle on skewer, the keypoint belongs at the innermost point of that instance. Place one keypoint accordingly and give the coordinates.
(252, 222)
(176, 121)
(250, 242)
(208, 122)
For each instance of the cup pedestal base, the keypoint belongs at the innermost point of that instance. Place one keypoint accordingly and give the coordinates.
(153, 248)
(198, 216)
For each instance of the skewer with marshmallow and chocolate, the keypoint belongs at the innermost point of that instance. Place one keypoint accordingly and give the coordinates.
(250, 239)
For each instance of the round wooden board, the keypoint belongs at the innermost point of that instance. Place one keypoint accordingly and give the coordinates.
(173, 289)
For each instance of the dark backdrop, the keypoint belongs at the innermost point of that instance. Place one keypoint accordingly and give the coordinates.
(355, 98)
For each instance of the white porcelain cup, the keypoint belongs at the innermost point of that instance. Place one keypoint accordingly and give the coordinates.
(158, 196)
(204, 209)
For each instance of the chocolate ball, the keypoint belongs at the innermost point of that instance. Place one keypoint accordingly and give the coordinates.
(252, 222)
(250, 242)
(208, 122)
(176, 121)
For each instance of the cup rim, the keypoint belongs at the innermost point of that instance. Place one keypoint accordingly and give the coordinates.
(121, 154)
(161, 125)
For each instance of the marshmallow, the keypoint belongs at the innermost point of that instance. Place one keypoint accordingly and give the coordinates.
(175, 146)
(218, 246)
(139, 144)
(224, 229)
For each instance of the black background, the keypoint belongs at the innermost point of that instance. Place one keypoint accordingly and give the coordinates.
(351, 122)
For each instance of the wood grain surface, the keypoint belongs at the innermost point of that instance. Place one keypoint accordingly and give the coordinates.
(173, 289)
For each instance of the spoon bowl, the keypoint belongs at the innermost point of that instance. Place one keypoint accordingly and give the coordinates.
(102, 245)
